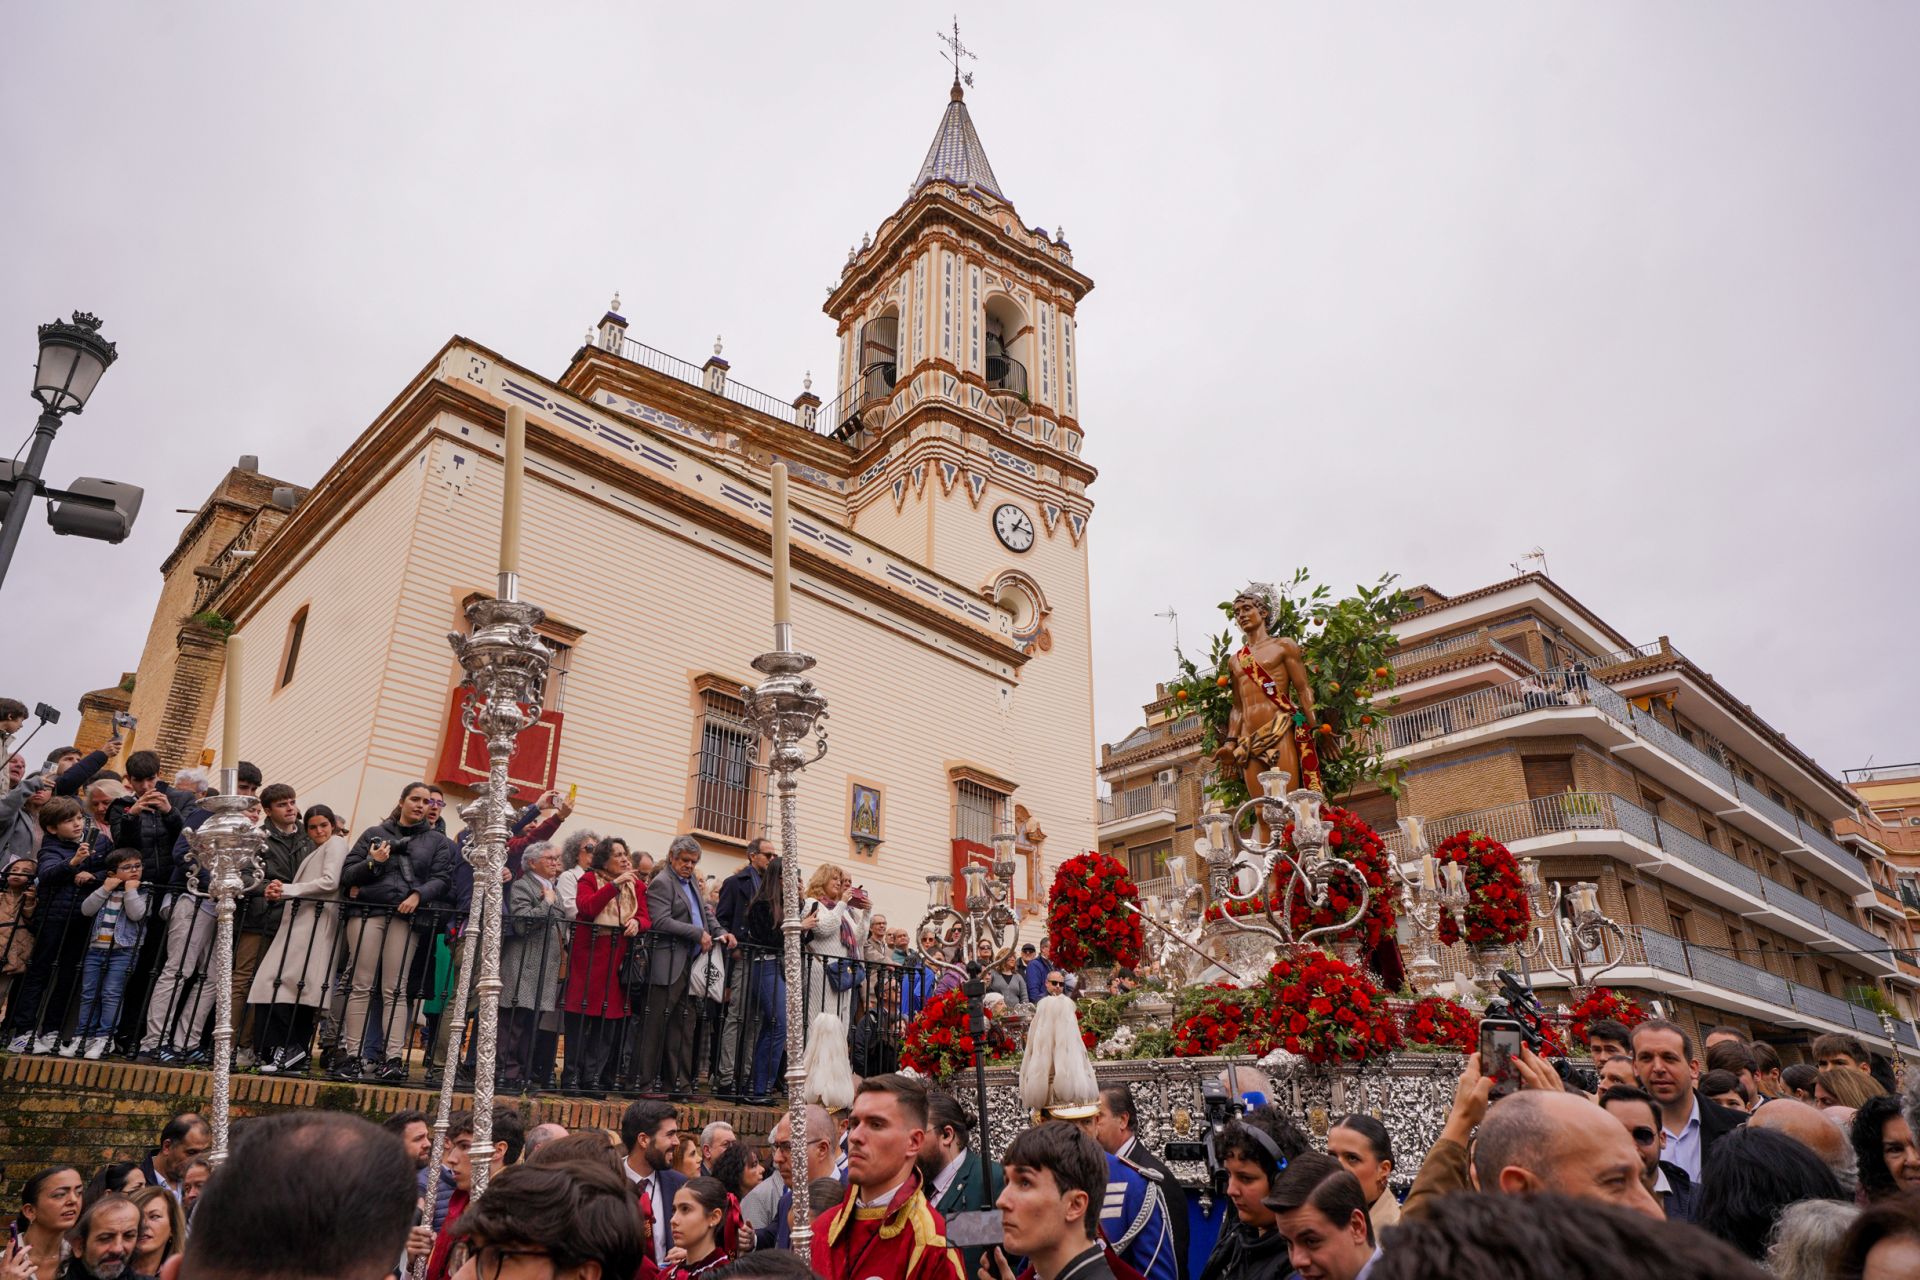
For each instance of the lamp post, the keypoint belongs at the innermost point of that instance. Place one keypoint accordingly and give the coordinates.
(73, 355)
(989, 917)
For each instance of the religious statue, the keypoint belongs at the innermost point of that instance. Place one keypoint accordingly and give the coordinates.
(1272, 723)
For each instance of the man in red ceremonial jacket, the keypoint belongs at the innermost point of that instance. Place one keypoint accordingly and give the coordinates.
(885, 1229)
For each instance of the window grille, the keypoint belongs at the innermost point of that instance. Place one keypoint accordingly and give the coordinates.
(728, 784)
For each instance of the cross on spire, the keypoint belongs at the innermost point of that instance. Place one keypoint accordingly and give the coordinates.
(955, 52)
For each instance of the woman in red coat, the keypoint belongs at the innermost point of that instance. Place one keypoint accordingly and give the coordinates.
(611, 911)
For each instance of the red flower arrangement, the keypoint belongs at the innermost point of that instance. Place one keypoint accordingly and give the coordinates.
(1228, 1020)
(1348, 837)
(1496, 913)
(1441, 1023)
(1324, 1010)
(1088, 924)
(938, 1043)
(1603, 1003)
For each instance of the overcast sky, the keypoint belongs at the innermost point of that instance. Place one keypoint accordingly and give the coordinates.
(1385, 287)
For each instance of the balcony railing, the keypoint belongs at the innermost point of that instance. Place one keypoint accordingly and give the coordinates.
(1704, 857)
(1665, 952)
(1794, 904)
(693, 375)
(1852, 934)
(1563, 688)
(1633, 653)
(1004, 373)
(1139, 800)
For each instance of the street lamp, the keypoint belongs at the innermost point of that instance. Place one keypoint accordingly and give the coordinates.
(73, 355)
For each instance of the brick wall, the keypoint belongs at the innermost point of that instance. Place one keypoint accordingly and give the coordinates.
(56, 1110)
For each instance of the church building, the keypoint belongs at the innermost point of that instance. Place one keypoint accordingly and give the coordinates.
(939, 537)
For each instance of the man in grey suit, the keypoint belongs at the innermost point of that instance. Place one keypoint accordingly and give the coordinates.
(683, 927)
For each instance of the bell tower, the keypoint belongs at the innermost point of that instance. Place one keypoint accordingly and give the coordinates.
(960, 385)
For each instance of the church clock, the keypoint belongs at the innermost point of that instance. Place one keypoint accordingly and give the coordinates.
(1013, 526)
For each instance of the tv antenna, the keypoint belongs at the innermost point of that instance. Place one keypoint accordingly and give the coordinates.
(955, 52)
(1172, 616)
(1536, 556)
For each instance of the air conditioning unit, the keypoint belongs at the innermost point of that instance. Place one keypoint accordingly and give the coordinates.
(1167, 777)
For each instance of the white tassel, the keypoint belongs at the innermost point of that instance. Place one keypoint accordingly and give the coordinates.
(1056, 1070)
(828, 1070)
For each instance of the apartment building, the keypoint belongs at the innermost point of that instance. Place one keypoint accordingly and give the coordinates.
(1724, 850)
(1151, 791)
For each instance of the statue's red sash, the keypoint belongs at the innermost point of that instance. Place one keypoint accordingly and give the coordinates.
(1302, 739)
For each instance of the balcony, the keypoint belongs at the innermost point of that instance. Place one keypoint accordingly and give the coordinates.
(1539, 704)
(1751, 989)
(1141, 809)
(1576, 821)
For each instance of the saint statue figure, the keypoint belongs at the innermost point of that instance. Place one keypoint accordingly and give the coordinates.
(1272, 723)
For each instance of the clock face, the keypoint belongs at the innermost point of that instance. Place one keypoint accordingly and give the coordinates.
(1013, 526)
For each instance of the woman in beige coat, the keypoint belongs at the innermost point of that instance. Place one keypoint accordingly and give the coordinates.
(292, 977)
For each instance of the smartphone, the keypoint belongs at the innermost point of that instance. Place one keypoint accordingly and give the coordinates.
(1500, 1042)
(573, 791)
(125, 720)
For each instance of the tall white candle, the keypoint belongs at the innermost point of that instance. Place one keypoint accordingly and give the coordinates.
(510, 497)
(782, 592)
(230, 719)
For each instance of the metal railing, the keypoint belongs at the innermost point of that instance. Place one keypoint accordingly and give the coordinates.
(1004, 373)
(1821, 1005)
(1852, 934)
(1427, 652)
(1903, 1032)
(1703, 856)
(1563, 688)
(1734, 975)
(1664, 951)
(694, 375)
(1633, 653)
(359, 989)
(1794, 904)
(1132, 803)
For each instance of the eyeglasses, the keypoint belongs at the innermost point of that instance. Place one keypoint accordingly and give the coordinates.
(1642, 1135)
(490, 1260)
(436, 804)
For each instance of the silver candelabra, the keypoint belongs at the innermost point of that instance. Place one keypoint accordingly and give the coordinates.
(786, 710)
(506, 664)
(1311, 870)
(1174, 915)
(985, 912)
(226, 849)
(1582, 931)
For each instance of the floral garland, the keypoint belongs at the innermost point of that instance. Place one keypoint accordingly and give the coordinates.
(1088, 924)
(1224, 1019)
(1440, 1023)
(1603, 1003)
(1347, 837)
(1496, 913)
(938, 1043)
(1324, 1010)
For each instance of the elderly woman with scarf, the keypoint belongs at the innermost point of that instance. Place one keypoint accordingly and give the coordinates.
(609, 913)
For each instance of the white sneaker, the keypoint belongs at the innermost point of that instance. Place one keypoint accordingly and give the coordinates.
(71, 1049)
(244, 1060)
(47, 1042)
(97, 1046)
(21, 1043)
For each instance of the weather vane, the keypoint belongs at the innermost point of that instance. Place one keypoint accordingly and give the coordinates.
(955, 52)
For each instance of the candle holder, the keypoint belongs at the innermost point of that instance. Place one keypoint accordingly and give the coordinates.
(226, 849)
(1312, 870)
(786, 710)
(506, 664)
(988, 917)
(1582, 931)
(1422, 895)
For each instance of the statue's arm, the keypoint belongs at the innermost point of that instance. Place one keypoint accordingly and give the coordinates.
(1297, 675)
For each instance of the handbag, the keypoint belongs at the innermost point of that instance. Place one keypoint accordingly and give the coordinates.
(708, 977)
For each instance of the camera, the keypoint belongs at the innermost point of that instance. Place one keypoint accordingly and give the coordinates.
(1219, 1109)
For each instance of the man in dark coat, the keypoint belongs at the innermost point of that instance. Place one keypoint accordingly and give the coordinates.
(743, 1015)
(952, 1171)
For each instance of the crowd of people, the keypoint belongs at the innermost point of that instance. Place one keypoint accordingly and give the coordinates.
(1541, 1180)
(621, 973)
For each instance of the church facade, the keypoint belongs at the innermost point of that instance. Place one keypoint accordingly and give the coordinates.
(939, 537)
